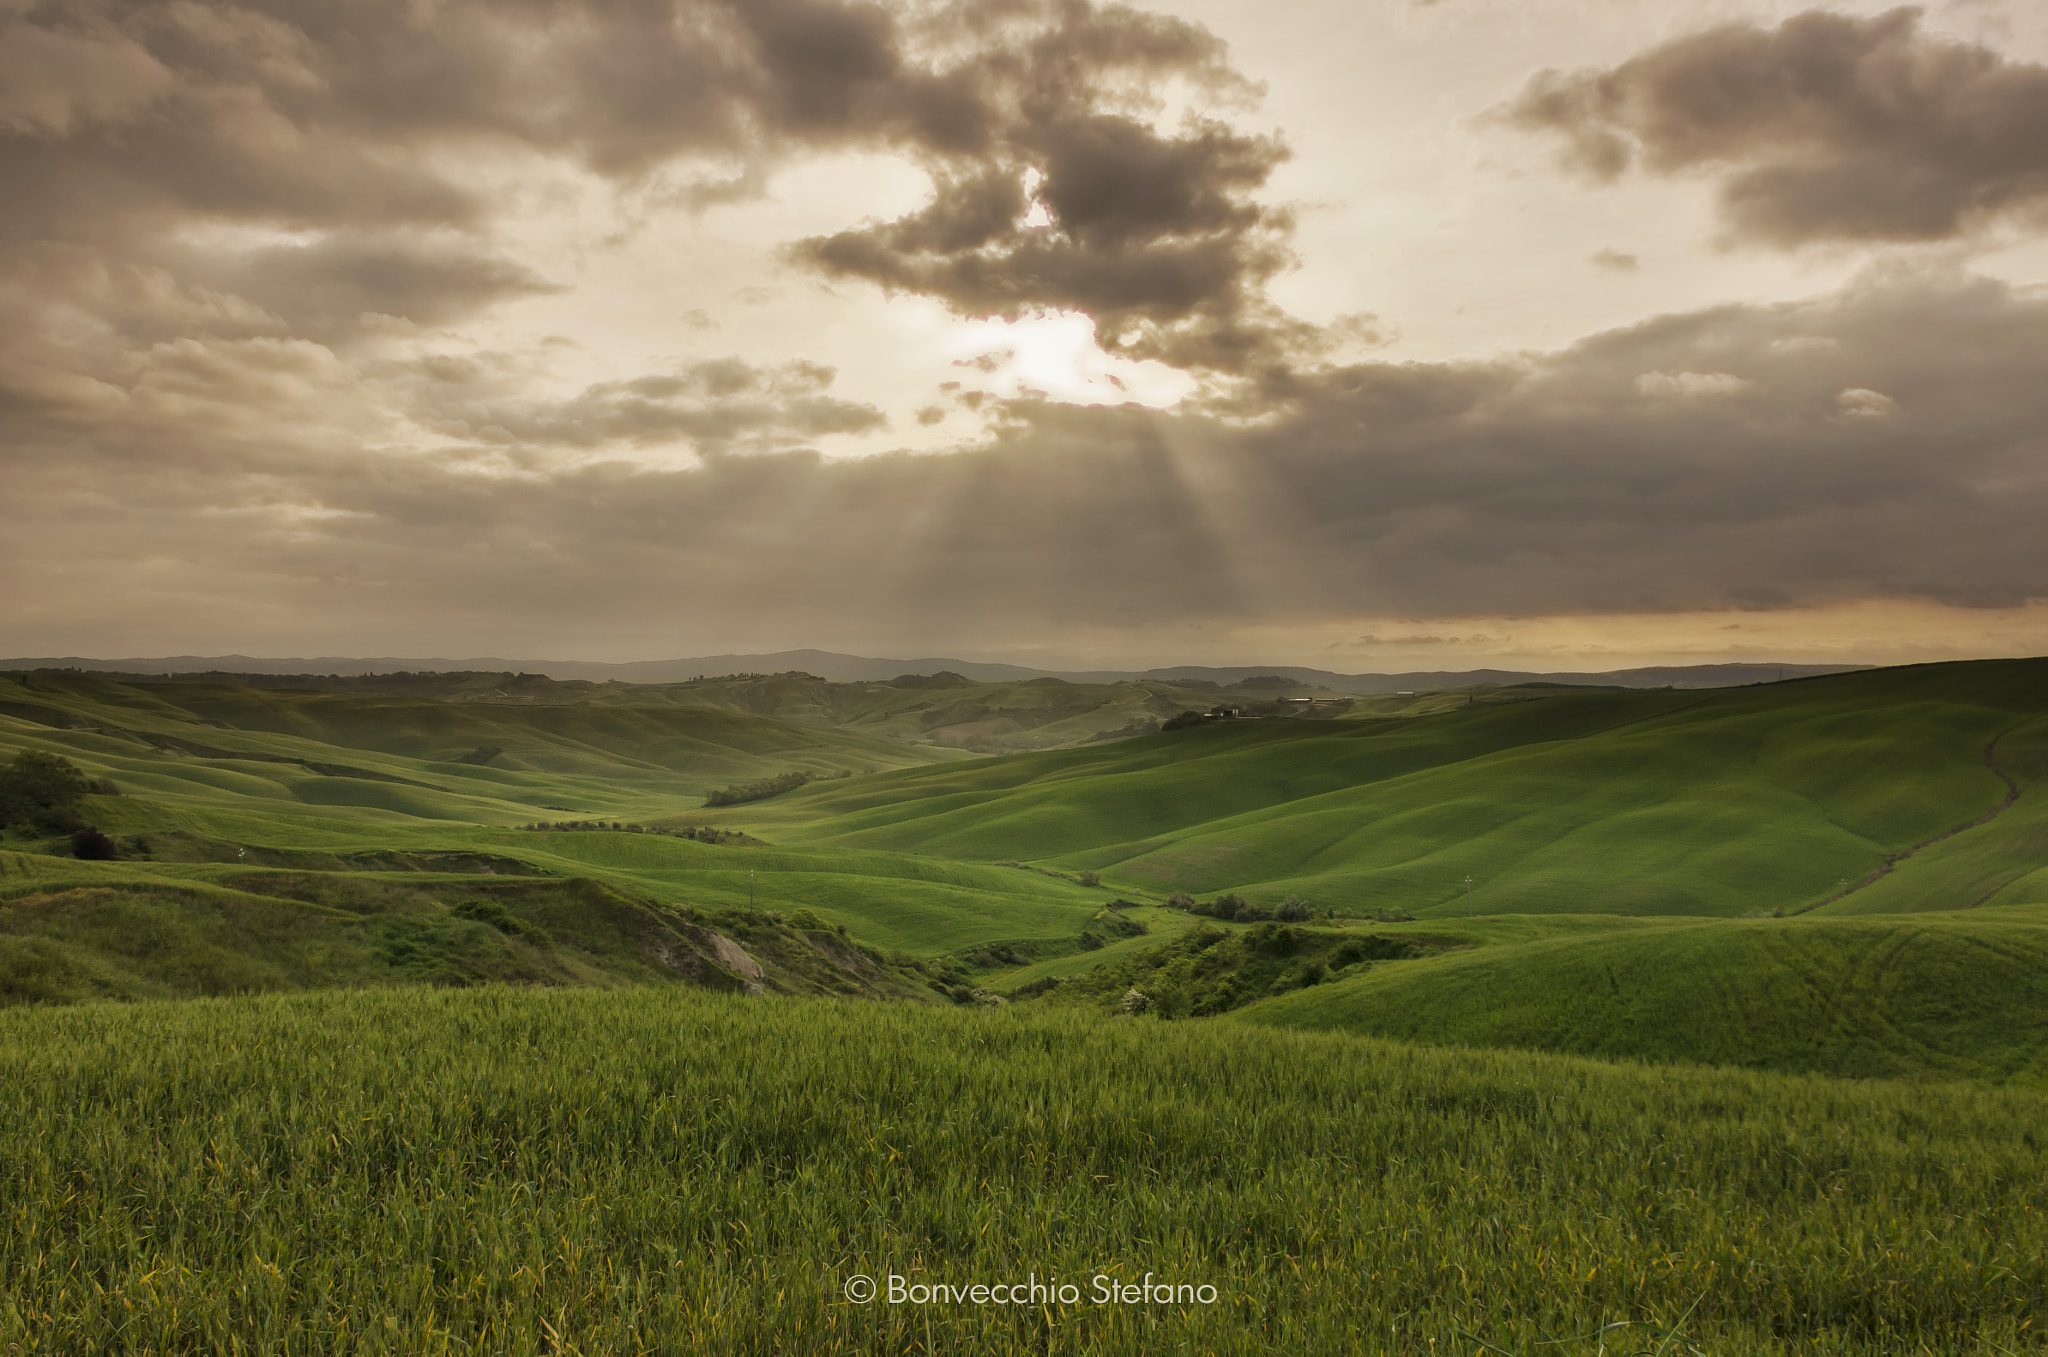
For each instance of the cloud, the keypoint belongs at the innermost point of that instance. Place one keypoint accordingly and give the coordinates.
(1541, 485)
(1068, 197)
(717, 406)
(1858, 402)
(328, 287)
(348, 128)
(1827, 127)
(1690, 385)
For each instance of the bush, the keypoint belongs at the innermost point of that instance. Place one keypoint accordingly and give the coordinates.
(1136, 1001)
(42, 790)
(495, 915)
(1181, 900)
(90, 844)
(1088, 879)
(1230, 906)
(1274, 940)
(1293, 910)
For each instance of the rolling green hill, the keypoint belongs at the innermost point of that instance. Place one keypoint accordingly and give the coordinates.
(1852, 805)
(1724, 803)
(217, 822)
(1955, 995)
(474, 728)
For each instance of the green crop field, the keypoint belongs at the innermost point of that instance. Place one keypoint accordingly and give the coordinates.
(494, 1171)
(444, 1014)
(1910, 995)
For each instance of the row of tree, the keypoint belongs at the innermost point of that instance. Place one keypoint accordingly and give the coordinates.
(1234, 907)
(766, 787)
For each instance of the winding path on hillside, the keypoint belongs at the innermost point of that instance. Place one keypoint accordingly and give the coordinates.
(1892, 860)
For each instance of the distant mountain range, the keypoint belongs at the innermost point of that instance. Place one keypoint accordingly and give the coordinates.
(857, 668)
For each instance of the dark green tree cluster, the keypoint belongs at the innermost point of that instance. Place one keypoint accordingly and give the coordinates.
(1292, 910)
(756, 791)
(701, 833)
(43, 792)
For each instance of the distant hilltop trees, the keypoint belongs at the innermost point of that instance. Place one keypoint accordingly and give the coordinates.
(945, 678)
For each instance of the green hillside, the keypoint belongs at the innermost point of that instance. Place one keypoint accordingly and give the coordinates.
(1851, 805)
(463, 725)
(562, 725)
(1727, 802)
(216, 828)
(1961, 996)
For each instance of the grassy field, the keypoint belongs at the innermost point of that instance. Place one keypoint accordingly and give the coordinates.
(212, 816)
(1720, 803)
(1926, 996)
(500, 1171)
(578, 1089)
(590, 755)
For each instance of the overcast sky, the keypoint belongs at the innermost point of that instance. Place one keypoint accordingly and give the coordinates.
(1364, 334)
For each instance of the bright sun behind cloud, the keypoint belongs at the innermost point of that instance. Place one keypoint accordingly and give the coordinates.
(1055, 353)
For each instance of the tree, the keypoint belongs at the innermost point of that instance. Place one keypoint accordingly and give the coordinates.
(1183, 721)
(42, 790)
(1293, 910)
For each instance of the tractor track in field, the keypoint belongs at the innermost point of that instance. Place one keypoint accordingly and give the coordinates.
(1892, 860)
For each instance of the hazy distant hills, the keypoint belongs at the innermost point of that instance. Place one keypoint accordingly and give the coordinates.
(858, 668)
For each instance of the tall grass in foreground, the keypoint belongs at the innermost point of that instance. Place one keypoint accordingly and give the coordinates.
(504, 1171)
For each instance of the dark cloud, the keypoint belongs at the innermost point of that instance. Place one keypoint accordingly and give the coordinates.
(324, 289)
(1157, 234)
(348, 121)
(724, 405)
(1828, 127)
(1555, 483)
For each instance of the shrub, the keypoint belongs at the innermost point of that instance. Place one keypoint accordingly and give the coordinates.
(92, 845)
(1274, 940)
(495, 915)
(1224, 906)
(1136, 1001)
(1293, 910)
(1180, 900)
(1088, 879)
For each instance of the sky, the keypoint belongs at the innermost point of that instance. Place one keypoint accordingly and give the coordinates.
(1371, 336)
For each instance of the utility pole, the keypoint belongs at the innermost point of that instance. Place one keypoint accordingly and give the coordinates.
(750, 888)
(1468, 895)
